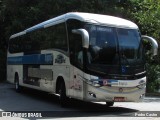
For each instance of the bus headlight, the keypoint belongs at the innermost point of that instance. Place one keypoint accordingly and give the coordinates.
(141, 86)
(95, 83)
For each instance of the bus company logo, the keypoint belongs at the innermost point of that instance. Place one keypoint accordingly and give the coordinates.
(60, 59)
(6, 114)
(111, 82)
(22, 114)
(123, 68)
(105, 83)
(120, 90)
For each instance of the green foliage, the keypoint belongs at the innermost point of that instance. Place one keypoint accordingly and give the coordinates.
(17, 15)
(146, 13)
(2, 43)
(153, 78)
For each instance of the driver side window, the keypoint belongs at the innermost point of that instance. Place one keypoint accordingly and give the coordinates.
(75, 43)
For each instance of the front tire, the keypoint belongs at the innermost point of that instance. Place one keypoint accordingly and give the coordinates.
(17, 86)
(62, 92)
(109, 104)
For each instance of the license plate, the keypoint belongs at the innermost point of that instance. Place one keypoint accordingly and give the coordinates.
(119, 99)
(122, 83)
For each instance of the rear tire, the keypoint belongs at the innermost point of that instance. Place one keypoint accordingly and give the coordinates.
(109, 104)
(17, 87)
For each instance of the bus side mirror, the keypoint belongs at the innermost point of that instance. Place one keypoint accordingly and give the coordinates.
(85, 37)
(153, 43)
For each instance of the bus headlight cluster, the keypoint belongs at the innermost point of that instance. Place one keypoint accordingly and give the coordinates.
(141, 86)
(95, 83)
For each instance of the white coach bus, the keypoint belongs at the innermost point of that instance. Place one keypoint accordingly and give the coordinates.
(85, 56)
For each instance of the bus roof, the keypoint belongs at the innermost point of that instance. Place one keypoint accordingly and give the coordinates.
(85, 17)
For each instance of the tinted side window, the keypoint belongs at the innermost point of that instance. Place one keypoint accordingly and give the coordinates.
(42, 39)
(14, 45)
(19, 44)
(60, 38)
(52, 37)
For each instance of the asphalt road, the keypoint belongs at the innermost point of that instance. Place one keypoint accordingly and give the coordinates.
(36, 101)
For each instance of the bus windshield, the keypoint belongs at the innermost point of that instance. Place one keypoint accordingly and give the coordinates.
(130, 46)
(115, 46)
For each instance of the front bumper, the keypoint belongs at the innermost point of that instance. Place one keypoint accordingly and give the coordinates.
(107, 94)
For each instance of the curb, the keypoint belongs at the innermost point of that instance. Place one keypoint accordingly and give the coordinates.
(156, 94)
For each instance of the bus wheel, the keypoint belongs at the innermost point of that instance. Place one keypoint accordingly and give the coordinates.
(63, 97)
(17, 87)
(109, 104)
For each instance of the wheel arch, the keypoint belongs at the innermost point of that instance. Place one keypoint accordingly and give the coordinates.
(59, 80)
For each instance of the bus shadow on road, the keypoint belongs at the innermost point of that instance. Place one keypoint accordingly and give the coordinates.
(77, 108)
(88, 109)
